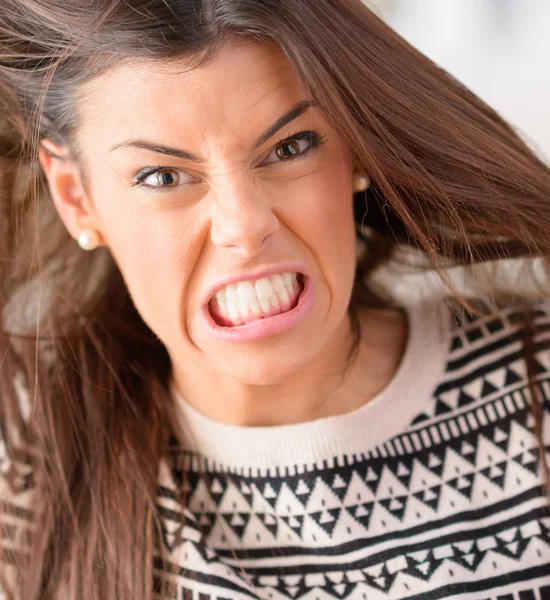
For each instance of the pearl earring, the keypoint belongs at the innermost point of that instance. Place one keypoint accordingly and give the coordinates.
(361, 182)
(88, 239)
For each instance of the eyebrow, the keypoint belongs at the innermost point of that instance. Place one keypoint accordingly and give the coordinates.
(296, 111)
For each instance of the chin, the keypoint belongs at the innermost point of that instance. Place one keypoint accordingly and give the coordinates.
(271, 368)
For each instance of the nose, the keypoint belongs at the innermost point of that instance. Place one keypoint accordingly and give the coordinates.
(242, 219)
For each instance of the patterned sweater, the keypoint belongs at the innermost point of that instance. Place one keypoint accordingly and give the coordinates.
(433, 489)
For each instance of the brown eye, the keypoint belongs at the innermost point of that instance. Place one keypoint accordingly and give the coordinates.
(288, 149)
(166, 178)
(162, 178)
(294, 147)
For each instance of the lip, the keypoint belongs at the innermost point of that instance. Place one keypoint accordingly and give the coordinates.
(262, 328)
(250, 276)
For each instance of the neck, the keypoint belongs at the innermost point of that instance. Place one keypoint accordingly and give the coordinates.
(336, 382)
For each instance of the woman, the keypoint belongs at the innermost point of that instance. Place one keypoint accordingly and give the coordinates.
(212, 398)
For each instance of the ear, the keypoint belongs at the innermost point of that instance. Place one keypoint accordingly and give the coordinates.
(66, 188)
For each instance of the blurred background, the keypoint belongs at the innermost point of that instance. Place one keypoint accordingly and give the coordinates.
(498, 48)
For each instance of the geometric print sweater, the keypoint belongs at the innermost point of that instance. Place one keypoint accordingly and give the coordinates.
(431, 490)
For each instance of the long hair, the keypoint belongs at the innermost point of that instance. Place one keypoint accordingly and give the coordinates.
(451, 179)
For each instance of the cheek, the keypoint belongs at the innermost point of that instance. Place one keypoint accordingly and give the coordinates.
(322, 219)
(324, 216)
(337, 252)
(156, 255)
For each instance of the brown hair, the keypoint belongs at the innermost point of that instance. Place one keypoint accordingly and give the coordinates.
(450, 178)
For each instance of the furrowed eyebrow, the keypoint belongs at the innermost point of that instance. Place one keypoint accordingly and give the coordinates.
(296, 111)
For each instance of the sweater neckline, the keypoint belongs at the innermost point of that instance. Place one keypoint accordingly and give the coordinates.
(356, 432)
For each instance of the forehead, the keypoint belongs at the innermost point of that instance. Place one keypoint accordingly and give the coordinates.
(243, 86)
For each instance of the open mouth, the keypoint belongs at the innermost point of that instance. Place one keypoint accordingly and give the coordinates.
(247, 301)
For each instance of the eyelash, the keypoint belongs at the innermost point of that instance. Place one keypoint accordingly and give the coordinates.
(315, 142)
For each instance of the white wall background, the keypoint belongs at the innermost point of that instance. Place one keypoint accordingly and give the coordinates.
(501, 50)
(498, 48)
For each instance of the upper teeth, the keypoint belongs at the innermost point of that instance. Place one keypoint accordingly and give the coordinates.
(256, 296)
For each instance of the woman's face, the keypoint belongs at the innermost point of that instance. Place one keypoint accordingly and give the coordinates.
(221, 174)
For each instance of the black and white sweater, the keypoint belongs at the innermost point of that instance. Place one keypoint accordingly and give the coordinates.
(431, 490)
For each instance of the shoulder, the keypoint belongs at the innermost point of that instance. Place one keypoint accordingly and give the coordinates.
(504, 311)
(17, 484)
(498, 329)
(484, 365)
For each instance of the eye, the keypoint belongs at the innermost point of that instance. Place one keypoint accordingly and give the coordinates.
(162, 178)
(294, 147)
